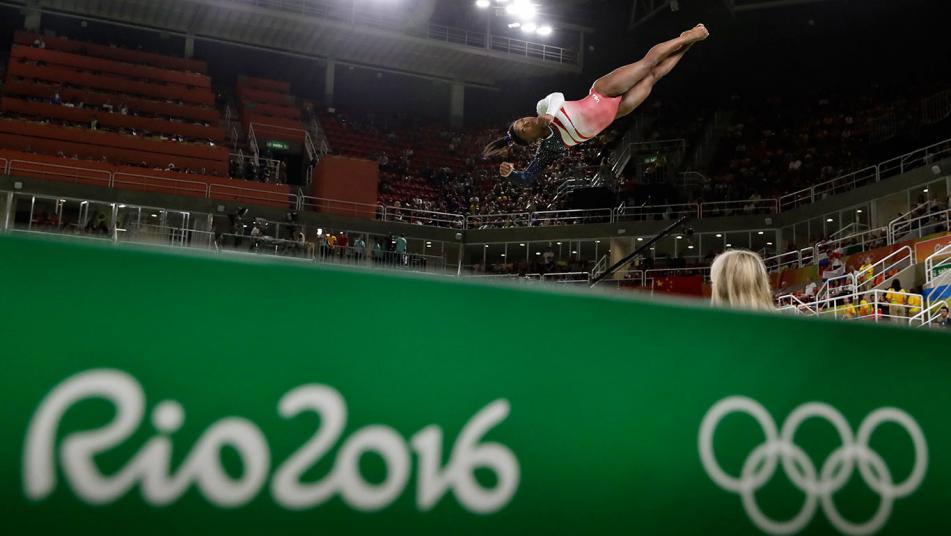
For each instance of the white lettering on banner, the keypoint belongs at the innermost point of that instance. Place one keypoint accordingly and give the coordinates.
(818, 484)
(149, 467)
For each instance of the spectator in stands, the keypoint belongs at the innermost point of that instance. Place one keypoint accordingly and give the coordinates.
(342, 242)
(896, 300)
(740, 281)
(943, 320)
(400, 249)
(57, 100)
(914, 302)
(322, 243)
(359, 248)
(331, 243)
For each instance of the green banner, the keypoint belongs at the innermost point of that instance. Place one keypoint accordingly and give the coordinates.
(246, 397)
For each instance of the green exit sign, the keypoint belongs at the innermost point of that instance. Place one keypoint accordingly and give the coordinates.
(275, 145)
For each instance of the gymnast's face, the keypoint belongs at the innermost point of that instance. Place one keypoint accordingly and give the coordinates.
(529, 129)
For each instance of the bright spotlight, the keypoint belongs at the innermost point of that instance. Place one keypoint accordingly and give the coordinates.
(521, 9)
(528, 27)
(482, 4)
(514, 24)
(544, 30)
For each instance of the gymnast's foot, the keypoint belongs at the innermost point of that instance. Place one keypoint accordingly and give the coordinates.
(696, 34)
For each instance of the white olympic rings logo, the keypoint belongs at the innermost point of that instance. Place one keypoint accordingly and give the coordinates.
(821, 485)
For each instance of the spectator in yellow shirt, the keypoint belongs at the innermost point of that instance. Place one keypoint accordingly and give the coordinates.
(866, 309)
(848, 309)
(896, 299)
(914, 303)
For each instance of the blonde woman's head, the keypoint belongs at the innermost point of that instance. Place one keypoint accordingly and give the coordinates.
(740, 281)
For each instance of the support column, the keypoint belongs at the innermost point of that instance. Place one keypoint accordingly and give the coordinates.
(620, 248)
(329, 82)
(32, 19)
(189, 46)
(457, 95)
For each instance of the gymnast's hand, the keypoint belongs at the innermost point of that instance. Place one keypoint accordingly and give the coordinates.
(545, 120)
(506, 169)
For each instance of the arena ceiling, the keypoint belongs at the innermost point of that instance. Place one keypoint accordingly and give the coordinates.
(324, 29)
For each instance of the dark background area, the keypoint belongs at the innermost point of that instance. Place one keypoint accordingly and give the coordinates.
(868, 47)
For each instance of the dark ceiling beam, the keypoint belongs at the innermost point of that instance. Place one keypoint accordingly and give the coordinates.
(774, 4)
(644, 10)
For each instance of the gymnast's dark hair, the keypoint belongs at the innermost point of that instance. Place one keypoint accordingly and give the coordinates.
(498, 146)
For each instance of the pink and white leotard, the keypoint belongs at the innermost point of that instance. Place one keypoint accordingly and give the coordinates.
(579, 121)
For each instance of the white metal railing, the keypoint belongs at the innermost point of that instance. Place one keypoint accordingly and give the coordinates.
(790, 259)
(929, 314)
(897, 260)
(567, 277)
(62, 172)
(343, 208)
(600, 267)
(919, 226)
(790, 302)
(498, 221)
(572, 216)
(656, 212)
(739, 208)
(129, 181)
(423, 217)
(867, 239)
(939, 259)
(847, 282)
(882, 170)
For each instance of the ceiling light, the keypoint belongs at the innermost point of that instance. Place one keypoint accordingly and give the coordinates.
(689, 247)
(769, 243)
(829, 220)
(640, 239)
(503, 254)
(528, 27)
(574, 252)
(729, 245)
(925, 190)
(859, 211)
(486, 246)
(559, 243)
(544, 30)
(514, 24)
(719, 235)
(538, 253)
(680, 237)
(482, 4)
(760, 233)
(597, 241)
(521, 245)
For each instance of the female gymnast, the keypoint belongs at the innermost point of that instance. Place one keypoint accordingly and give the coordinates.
(612, 96)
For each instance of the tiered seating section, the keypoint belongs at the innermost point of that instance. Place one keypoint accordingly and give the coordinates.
(115, 105)
(96, 114)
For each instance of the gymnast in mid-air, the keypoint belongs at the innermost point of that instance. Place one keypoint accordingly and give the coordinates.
(562, 123)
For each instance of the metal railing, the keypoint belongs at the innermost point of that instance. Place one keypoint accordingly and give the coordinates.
(899, 260)
(919, 226)
(498, 221)
(790, 259)
(739, 208)
(61, 172)
(423, 217)
(867, 239)
(944, 253)
(883, 170)
(343, 208)
(572, 216)
(657, 212)
(134, 181)
(870, 305)
(929, 314)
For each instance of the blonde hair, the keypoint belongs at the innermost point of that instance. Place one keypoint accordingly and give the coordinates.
(740, 281)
